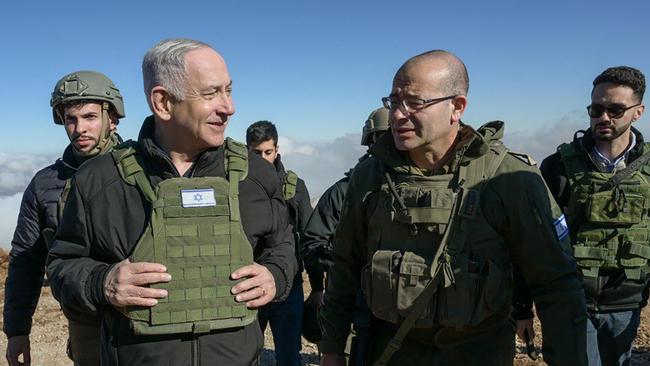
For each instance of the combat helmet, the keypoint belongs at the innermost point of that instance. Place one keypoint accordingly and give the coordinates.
(377, 122)
(85, 85)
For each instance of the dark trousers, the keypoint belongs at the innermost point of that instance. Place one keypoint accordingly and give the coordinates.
(84, 343)
(495, 348)
(285, 319)
(610, 337)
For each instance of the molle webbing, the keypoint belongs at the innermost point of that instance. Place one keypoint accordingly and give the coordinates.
(460, 214)
(289, 185)
(195, 231)
(608, 215)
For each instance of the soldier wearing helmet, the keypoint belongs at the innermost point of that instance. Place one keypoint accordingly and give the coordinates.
(317, 246)
(89, 106)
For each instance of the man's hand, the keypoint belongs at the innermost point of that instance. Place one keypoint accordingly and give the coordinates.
(257, 289)
(126, 283)
(316, 299)
(16, 346)
(332, 359)
(522, 326)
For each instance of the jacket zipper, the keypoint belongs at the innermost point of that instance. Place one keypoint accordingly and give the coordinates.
(195, 351)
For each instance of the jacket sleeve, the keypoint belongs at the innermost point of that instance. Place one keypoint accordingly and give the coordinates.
(274, 246)
(304, 205)
(344, 276)
(305, 210)
(77, 280)
(536, 233)
(26, 267)
(319, 233)
(554, 175)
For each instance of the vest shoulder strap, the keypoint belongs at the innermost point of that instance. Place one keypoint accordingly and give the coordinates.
(527, 159)
(572, 159)
(130, 168)
(289, 185)
(236, 160)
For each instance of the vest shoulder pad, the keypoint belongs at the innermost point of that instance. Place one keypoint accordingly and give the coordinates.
(123, 150)
(572, 158)
(236, 158)
(567, 151)
(527, 159)
(124, 157)
(289, 185)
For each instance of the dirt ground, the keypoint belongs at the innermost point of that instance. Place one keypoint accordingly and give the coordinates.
(49, 334)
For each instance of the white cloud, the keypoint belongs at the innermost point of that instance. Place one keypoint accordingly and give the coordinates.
(18, 170)
(321, 164)
(9, 206)
(544, 141)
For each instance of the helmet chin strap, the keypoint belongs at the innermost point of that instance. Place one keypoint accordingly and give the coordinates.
(105, 141)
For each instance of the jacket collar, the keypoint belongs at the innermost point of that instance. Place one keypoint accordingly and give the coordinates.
(159, 162)
(587, 143)
(470, 144)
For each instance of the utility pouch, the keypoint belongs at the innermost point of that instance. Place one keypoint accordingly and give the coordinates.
(615, 208)
(396, 279)
(479, 291)
(382, 284)
(414, 275)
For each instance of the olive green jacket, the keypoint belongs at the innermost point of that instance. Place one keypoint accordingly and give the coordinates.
(515, 202)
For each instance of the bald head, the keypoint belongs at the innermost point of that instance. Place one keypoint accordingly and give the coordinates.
(444, 66)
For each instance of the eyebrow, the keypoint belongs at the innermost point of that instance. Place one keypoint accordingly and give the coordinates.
(216, 88)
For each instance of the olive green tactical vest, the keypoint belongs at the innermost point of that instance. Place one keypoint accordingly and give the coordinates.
(609, 228)
(474, 279)
(289, 185)
(195, 231)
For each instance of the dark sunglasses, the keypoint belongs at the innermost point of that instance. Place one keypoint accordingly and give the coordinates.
(614, 111)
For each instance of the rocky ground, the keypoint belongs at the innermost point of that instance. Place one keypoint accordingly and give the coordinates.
(49, 335)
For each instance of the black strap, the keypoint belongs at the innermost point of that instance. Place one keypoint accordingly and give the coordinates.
(619, 176)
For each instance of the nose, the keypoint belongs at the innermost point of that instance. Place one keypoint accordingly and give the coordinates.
(604, 117)
(226, 105)
(397, 114)
(81, 126)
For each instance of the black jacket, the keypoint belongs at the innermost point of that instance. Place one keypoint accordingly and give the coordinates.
(102, 222)
(319, 233)
(611, 290)
(300, 210)
(38, 210)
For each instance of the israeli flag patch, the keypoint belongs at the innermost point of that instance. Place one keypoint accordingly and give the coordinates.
(561, 228)
(198, 197)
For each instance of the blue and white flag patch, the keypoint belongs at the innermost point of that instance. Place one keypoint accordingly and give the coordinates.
(198, 197)
(561, 228)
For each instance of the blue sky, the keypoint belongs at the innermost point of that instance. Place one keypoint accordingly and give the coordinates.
(317, 68)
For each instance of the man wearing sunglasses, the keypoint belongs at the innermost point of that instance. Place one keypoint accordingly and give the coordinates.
(602, 182)
(432, 224)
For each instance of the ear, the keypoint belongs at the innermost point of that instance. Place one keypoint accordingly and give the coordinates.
(112, 122)
(161, 103)
(459, 104)
(638, 113)
(277, 148)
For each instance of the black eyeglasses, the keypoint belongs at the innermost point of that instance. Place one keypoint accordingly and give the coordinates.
(614, 111)
(410, 105)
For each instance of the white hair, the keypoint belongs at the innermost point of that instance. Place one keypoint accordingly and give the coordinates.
(164, 65)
